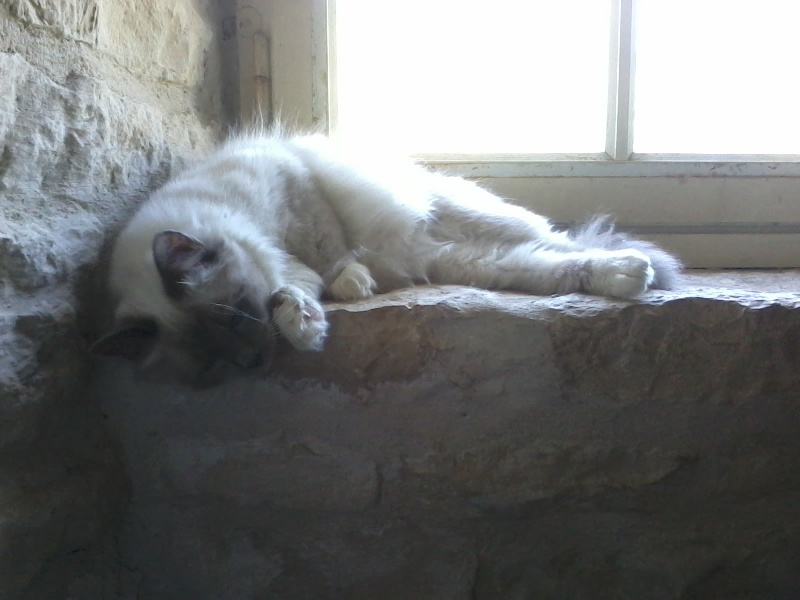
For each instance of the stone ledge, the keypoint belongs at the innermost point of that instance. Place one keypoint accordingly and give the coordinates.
(457, 443)
(749, 287)
(579, 333)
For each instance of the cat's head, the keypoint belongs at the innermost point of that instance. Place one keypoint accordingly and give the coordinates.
(206, 318)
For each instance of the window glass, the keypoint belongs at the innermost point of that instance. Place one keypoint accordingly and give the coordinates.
(717, 76)
(470, 76)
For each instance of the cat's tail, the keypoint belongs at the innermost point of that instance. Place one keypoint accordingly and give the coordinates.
(599, 232)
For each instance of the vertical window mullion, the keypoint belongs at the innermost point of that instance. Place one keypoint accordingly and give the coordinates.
(619, 134)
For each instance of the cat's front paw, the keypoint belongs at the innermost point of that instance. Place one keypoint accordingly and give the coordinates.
(299, 318)
(620, 273)
(353, 282)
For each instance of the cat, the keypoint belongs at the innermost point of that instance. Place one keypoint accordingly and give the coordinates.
(241, 248)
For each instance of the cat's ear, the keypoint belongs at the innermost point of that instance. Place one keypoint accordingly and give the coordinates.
(135, 342)
(176, 255)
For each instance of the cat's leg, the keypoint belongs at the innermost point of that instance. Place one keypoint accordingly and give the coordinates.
(491, 244)
(322, 244)
(465, 211)
(528, 268)
(296, 310)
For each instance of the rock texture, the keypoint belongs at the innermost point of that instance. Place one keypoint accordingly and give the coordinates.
(452, 443)
(101, 99)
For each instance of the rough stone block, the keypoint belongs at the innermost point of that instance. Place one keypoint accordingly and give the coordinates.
(66, 177)
(61, 481)
(160, 41)
(458, 443)
(299, 474)
(75, 19)
(99, 103)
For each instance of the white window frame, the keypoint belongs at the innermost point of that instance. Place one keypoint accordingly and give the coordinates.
(714, 210)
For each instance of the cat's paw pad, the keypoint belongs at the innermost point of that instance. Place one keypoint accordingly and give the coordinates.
(299, 318)
(621, 273)
(353, 282)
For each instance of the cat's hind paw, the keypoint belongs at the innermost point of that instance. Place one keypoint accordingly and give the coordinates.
(353, 282)
(300, 318)
(620, 273)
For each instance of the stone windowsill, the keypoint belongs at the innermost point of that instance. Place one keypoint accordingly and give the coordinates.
(392, 336)
(748, 287)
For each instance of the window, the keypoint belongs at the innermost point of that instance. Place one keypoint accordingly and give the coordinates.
(689, 134)
(463, 79)
(726, 87)
(539, 71)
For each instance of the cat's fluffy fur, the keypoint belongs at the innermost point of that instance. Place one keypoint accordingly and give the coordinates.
(269, 224)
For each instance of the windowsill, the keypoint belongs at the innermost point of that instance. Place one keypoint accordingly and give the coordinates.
(754, 287)
(599, 165)
(716, 330)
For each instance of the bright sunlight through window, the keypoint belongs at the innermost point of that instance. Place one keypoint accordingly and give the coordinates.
(531, 76)
(470, 76)
(717, 76)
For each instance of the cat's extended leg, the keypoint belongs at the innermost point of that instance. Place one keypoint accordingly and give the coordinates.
(296, 310)
(527, 268)
(500, 246)
(465, 211)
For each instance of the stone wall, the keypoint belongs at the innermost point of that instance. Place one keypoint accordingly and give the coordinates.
(457, 444)
(100, 100)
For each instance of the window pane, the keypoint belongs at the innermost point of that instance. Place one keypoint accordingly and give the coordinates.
(470, 76)
(717, 76)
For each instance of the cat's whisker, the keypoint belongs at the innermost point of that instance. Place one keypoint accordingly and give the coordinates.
(235, 311)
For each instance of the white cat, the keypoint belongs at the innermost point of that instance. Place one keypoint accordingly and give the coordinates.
(244, 245)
